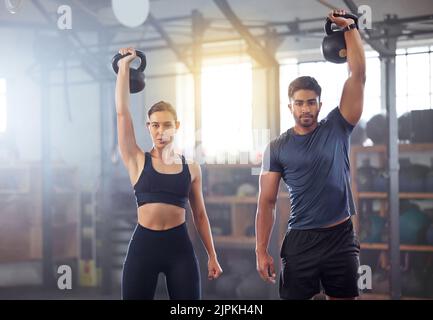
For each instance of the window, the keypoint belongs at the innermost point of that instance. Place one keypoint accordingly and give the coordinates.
(373, 89)
(185, 136)
(226, 109)
(3, 109)
(288, 72)
(414, 69)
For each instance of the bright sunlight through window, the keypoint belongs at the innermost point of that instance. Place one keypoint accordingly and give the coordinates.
(226, 108)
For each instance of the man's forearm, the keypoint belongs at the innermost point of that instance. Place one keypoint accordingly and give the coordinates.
(355, 53)
(265, 218)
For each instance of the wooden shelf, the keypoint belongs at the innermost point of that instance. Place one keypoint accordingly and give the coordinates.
(381, 151)
(231, 199)
(403, 247)
(402, 147)
(232, 165)
(234, 241)
(403, 195)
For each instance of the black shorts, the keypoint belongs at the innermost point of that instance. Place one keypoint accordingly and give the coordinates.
(327, 258)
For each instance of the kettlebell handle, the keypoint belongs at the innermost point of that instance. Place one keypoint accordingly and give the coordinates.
(329, 23)
(118, 56)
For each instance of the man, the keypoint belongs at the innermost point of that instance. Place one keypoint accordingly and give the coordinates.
(320, 248)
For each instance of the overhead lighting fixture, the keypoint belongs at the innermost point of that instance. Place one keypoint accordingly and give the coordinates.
(131, 13)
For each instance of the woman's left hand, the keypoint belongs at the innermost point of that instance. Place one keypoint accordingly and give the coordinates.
(214, 268)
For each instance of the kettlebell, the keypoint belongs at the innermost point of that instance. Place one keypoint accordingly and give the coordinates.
(334, 44)
(136, 76)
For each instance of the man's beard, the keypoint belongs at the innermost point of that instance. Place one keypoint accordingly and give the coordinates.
(306, 121)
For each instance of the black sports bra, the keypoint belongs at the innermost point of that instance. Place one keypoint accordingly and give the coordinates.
(153, 186)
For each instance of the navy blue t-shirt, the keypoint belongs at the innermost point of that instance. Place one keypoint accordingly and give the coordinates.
(316, 170)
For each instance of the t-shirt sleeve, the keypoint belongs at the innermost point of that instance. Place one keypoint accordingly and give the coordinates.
(336, 117)
(270, 160)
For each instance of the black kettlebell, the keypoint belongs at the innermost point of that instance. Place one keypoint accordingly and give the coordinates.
(136, 76)
(334, 44)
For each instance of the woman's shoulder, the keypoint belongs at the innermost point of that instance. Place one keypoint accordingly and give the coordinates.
(193, 166)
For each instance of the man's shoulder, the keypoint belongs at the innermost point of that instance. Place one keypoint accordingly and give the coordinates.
(335, 116)
(331, 114)
(281, 139)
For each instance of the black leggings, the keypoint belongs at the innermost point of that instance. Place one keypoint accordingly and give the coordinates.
(168, 251)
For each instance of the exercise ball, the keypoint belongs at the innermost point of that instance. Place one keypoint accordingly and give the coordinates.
(406, 205)
(376, 228)
(405, 127)
(358, 135)
(377, 129)
(131, 13)
(413, 224)
(412, 176)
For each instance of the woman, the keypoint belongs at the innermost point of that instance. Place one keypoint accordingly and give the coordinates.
(163, 183)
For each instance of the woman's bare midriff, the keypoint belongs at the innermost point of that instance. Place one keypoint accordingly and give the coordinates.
(160, 216)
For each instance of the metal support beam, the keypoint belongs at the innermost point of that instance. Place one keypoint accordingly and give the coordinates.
(103, 208)
(198, 27)
(389, 90)
(177, 51)
(408, 35)
(256, 50)
(293, 26)
(104, 211)
(25, 25)
(47, 183)
(397, 21)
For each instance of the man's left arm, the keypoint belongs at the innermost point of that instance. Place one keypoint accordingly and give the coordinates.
(352, 98)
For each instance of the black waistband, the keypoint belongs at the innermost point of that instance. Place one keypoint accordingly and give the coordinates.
(341, 225)
(169, 230)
